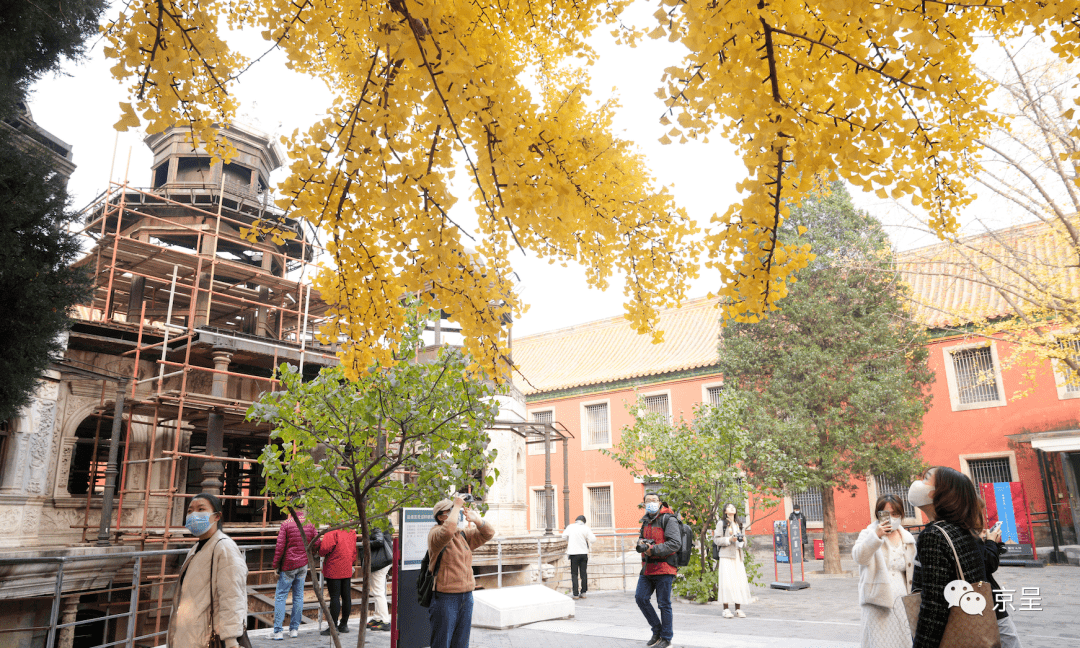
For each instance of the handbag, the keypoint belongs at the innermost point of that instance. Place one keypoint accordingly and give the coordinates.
(215, 641)
(963, 629)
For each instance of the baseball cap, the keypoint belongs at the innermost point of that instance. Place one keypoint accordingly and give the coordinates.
(443, 505)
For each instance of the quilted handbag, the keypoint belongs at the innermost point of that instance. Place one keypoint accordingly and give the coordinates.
(964, 629)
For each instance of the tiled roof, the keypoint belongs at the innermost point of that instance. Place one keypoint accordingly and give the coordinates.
(608, 350)
(949, 283)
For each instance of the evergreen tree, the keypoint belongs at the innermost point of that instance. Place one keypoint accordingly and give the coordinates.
(838, 378)
(37, 286)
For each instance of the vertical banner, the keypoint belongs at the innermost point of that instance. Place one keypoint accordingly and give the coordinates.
(780, 540)
(412, 618)
(1007, 502)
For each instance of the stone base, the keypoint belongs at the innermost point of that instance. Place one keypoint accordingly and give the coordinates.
(511, 607)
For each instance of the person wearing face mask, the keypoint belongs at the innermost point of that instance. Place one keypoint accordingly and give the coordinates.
(734, 588)
(953, 509)
(658, 542)
(885, 553)
(212, 588)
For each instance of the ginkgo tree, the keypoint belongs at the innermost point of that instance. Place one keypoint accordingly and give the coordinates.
(882, 95)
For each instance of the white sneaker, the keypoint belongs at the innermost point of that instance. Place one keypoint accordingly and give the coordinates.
(277, 636)
(294, 633)
(740, 614)
(728, 614)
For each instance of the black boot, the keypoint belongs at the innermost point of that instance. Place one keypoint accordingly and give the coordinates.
(343, 627)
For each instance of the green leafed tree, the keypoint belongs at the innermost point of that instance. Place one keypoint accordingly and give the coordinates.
(697, 466)
(37, 286)
(835, 385)
(353, 452)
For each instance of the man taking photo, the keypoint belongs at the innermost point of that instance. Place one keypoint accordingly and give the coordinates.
(658, 543)
(450, 614)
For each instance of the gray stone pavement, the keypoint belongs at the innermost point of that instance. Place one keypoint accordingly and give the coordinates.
(824, 616)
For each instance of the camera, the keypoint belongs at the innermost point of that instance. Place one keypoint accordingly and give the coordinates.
(739, 537)
(469, 498)
(643, 544)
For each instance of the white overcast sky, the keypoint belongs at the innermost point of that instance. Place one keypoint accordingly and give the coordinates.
(80, 105)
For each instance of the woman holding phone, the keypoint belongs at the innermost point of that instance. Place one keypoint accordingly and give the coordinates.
(885, 553)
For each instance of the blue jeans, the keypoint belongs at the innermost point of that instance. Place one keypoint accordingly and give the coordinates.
(289, 580)
(661, 584)
(450, 617)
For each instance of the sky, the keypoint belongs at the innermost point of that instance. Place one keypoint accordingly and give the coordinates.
(80, 104)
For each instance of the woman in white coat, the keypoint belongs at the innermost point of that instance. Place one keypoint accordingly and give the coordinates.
(213, 583)
(885, 553)
(734, 588)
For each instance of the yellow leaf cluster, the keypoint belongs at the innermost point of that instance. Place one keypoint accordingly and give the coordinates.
(884, 96)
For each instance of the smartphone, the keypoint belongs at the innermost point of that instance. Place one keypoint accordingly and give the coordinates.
(883, 517)
(996, 527)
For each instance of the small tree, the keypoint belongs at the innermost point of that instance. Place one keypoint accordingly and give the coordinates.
(354, 451)
(698, 466)
(836, 383)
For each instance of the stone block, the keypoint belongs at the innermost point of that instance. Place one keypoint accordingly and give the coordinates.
(510, 607)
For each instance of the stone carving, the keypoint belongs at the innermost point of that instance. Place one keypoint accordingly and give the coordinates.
(9, 521)
(64, 468)
(31, 519)
(61, 520)
(40, 438)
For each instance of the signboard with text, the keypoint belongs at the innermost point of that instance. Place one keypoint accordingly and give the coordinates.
(1007, 502)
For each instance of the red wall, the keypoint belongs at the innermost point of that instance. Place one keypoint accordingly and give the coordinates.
(946, 436)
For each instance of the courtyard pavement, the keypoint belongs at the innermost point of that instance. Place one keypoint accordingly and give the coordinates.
(824, 616)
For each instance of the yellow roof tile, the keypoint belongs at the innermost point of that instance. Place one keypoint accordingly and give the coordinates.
(608, 350)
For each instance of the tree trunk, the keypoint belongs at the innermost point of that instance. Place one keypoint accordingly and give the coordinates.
(365, 571)
(832, 536)
(315, 578)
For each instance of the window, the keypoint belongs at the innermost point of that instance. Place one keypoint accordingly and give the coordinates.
(89, 458)
(658, 404)
(976, 381)
(715, 394)
(890, 485)
(544, 508)
(596, 424)
(537, 448)
(1068, 381)
(5, 434)
(810, 501)
(990, 471)
(600, 507)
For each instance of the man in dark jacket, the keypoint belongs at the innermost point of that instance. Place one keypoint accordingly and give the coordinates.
(658, 543)
(797, 517)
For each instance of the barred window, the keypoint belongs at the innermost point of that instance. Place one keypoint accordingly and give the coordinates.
(990, 471)
(544, 514)
(890, 485)
(1072, 381)
(810, 501)
(716, 394)
(600, 507)
(90, 458)
(658, 404)
(976, 381)
(596, 422)
(543, 417)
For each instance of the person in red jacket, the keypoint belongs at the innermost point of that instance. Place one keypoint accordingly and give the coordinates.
(290, 559)
(658, 543)
(339, 548)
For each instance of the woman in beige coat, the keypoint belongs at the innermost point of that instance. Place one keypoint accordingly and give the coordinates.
(214, 569)
(885, 553)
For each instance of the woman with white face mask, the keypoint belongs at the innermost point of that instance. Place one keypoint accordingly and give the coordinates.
(734, 588)
(211, 597)
(885, 553)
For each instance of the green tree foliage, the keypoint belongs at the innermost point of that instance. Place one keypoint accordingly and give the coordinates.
(836, 382)
(403, 435)
(698, 466)
(36, 36)
(37, 288)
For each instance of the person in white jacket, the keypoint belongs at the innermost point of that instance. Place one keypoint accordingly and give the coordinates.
(579, 538)
(212, 591)
(885, 553)
(734, 587)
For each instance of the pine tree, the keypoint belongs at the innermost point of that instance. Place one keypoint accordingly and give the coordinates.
(836, 381)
